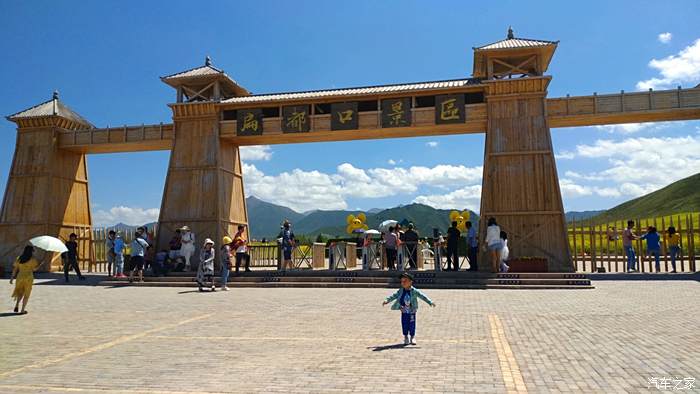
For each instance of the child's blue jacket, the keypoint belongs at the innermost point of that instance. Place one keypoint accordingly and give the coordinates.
(415, 295)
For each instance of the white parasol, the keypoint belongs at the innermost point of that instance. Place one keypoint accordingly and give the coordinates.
(384, 226)
(48, 243)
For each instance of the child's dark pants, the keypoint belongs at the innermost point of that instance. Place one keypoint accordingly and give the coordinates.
(408, 324)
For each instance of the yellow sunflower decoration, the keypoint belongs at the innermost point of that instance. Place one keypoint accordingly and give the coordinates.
(460, 218)
(356, 223)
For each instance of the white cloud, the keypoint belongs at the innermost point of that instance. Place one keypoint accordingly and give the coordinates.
(306, 190)
(467, 197)
(564, 155)
(631, 128)
(297, 189)
(432, 144)
(665, 38)
(636, 166)
(626, 128)
(682, 68)
(571, 189)
(256, 152)
(127, 215)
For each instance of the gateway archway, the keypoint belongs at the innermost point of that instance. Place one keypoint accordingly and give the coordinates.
(213, 116)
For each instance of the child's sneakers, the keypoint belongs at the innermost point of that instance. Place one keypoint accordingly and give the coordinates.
(413, 340)
(406, 341)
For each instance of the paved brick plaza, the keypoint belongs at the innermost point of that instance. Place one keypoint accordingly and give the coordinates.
(155, 340)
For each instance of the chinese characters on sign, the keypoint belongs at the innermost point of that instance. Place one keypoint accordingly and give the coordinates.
(344, 116)
(396, 112)
(295, 119)
(449, 108)
(249, 122)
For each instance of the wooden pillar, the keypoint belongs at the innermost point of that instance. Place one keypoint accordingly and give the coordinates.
(520, 184)
(47, 190)
(204, 185)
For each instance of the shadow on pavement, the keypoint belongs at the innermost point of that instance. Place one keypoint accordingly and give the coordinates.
(9, 314)
(392, 347)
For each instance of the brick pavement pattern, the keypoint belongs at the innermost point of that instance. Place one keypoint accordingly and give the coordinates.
(88, 339)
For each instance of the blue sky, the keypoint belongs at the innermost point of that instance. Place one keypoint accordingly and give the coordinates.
(105, 59)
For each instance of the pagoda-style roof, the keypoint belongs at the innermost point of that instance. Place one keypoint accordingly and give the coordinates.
(205, 74)
(356, 91)
(53, 107)
(513, 48)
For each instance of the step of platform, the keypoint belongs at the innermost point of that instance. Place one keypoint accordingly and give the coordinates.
(376, 279)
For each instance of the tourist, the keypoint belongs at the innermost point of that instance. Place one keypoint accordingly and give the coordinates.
(187, 248)
(453, 235)
(145, 235)
(390, 243)
(505, 252)
(119, 256)
(439, 251)
(225, 261)
(400, 263)
(160, 266)
(23, 270)
(628, 237)
(138, 253)
(674, 246)
(494, 243)
(406, 301)
(472, 246)
(410, 237)
(175, 245)
(366, 246)
(70, 258)
(653, 245)
(205, 270)
(109, 251)
(287, 245)
(240, 244)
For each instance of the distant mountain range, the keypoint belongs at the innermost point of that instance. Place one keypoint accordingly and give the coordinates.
(265, 219)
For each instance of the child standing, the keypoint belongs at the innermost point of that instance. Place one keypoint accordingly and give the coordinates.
(205, 270)
(674, 246)
(505, 252)
(118, 256)
(406, 301)
(653, 245)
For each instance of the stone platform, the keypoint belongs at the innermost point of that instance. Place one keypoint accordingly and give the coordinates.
(376, 279)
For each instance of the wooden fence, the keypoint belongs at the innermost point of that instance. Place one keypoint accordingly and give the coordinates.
(596, 245)
(593, 245)
(98, 261)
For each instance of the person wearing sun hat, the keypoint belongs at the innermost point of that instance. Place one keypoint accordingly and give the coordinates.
(205, 270)
(187, 249)
(225, 261)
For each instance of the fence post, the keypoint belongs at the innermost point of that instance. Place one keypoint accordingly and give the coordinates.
(640, 260)
(591, 232)
(573, 225)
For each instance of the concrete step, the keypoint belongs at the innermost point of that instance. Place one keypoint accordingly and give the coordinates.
(384, 281)
(365, 282)
(351, 285)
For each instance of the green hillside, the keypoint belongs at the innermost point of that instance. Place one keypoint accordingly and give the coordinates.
(678, 197)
